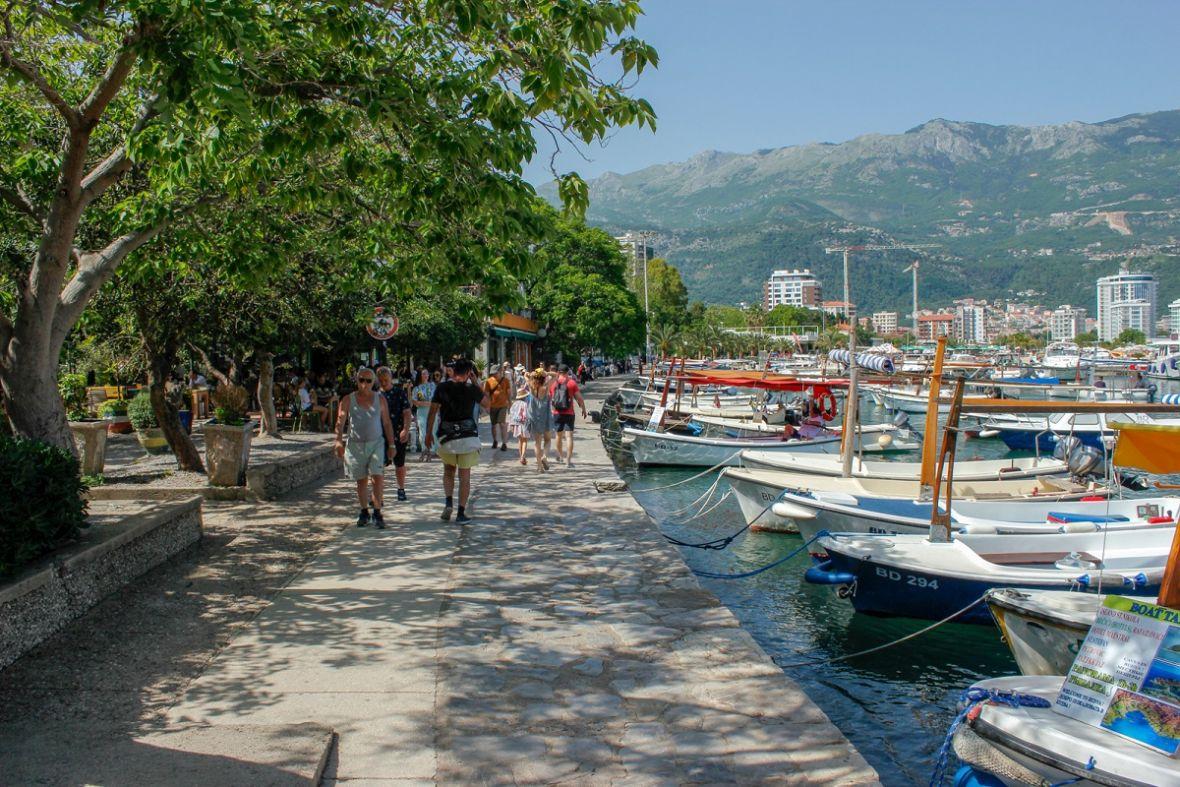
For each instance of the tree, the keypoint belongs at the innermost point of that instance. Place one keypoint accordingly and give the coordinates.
(666, 294)
(127, 117)
(1130, 336)
(1089, 337)
(437, 324)
(783, 315)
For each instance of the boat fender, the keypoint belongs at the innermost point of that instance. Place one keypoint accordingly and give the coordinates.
(885, 440)
(968, 776)
(1137, 582)
(824, 575)
(974, 530)
(1079, 527)
(1083, 581)
(1158, 520)
(786, 510)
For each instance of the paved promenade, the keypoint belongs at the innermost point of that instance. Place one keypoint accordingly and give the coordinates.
(558, 638)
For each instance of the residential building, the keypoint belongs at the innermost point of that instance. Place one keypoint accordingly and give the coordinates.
(1126, 300)
(634, 245)
(1066, 323)
(970, 324)
(791, 288)
(1174, 317)
(931, 326)
(885, 322)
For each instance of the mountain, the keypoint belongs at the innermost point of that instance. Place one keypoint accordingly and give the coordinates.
(1035, 213)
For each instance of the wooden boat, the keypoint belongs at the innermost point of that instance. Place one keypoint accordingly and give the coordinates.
(665, 448)
(1043, 628)
(965, 470)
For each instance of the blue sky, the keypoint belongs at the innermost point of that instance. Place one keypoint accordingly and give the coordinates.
(739, 75)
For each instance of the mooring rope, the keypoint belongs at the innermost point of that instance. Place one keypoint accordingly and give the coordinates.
(768, 566)
(717, 466)
(718, 544)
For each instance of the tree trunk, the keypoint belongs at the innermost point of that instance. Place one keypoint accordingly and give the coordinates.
(35, 408)
(266, 395)
(186, 453)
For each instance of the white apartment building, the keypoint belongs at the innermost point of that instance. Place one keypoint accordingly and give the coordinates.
(1174, 317)
(970, 324)
(1126, 300)
(885, 322)
(791, 288)
(634, 246)
(1066, 323)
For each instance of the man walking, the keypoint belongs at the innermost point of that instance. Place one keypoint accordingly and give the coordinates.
(367, 419)
(458, 435)
(563, 392)
(398, 404)
(498, 389)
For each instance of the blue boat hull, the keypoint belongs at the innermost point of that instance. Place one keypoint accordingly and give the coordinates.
(1028, 439)
(892, 591)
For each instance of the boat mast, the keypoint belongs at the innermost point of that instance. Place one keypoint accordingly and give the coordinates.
(940, 521)
(930, 435)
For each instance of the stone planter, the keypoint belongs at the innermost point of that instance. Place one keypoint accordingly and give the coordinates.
(152, 440)
(227, 452)
(91, 439)
(118, 424)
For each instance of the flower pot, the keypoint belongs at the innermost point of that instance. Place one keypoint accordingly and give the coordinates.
(152, 440)
(227, 452)
(91, 439)
(118, 424)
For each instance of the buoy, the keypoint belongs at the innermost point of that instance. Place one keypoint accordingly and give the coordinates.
(885, 440)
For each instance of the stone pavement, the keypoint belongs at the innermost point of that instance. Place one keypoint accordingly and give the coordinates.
(558, 638)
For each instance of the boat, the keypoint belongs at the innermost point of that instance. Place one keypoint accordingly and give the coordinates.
(1015, 744)
(1041, 433)
(1043, 628)
(808, 504)
(1062, 358)
(1166, 368)
(964, 470)
(914, 577)
(663, 448)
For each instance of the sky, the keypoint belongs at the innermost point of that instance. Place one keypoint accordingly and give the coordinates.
(741, 75)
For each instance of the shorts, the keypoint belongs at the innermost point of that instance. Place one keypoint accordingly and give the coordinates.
(462, 453)
(563, 422)
(362, 459)
(498, 414)
(399, 454)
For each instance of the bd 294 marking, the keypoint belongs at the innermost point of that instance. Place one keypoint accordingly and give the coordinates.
(910, 579)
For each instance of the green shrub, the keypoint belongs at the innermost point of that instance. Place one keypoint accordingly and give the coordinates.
(141, 413)
(73, 394)
(112, 407)
(41, 501)
(230, 404)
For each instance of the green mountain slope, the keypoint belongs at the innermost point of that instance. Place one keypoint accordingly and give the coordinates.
(1014, 209)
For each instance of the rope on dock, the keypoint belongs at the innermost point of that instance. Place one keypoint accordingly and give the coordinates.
(878, 648)
(717, 466)
(768, 566)
(723, 542)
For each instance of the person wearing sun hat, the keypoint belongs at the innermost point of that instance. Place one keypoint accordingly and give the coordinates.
(518, 423)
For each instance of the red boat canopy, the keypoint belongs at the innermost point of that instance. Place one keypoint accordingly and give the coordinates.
(769, 382)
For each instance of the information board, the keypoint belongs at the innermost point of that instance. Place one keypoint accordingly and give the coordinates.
(1126, 676)
(657, 417)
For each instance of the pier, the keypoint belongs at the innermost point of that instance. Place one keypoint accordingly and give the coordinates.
(558, 638)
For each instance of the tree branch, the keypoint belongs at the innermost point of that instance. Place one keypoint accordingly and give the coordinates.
(16, 197)
(108, 171)
(34, 77)
(112, 81)
(6, 331)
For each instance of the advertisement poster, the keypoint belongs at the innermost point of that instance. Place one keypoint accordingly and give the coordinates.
(1126, 677)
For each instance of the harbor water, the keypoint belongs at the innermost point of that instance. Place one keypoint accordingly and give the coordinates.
(894, 705)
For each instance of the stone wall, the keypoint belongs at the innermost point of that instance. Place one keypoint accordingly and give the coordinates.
(35, 605)
(274, 479)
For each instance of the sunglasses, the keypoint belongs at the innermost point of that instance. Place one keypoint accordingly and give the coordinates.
(365, 380)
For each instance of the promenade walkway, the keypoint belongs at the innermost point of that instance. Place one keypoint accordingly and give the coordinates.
(557, 638)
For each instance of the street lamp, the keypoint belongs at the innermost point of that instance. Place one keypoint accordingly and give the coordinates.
(643, 236)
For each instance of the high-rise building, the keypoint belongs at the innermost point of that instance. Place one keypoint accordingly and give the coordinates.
(1174, 317)
(1126, 300)
(970, 324)
(885, 322)
(791, 288)
(1066, 323)
(634, 245)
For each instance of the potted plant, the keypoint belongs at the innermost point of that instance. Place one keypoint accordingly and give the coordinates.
(147, 429)
(227, 440)
(90, 435)
(114, 412)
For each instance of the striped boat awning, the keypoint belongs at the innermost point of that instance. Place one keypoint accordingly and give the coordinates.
(512, 333)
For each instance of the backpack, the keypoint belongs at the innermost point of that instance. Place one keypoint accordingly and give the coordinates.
(561, 395)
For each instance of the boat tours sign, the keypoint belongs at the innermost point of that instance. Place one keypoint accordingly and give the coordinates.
(1126, 676)
(657, 418)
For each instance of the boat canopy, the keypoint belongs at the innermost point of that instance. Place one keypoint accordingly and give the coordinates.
(1149, 447)
(768, 381)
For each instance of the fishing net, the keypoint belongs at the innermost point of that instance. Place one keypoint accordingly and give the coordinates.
(978, 753)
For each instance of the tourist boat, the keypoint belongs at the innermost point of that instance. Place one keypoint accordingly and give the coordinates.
(1043, 628)
(809, 503)
(662, 448)
(1166, 368)
(1041, 433)
(1062, 358)
(914, 577)
(1015, 744)
(964, 470)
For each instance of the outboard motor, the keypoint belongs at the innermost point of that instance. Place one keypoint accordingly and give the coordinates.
(1133, 481)
(901, 419)
(1084, 461)
(1065, 444)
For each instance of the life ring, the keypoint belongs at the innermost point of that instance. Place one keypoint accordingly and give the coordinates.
(826, 402)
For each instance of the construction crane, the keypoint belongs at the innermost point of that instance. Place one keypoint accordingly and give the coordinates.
(872, 247)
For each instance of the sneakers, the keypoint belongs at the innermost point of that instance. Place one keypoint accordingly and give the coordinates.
(462, 518)
(363, 518)
(495, 446)
(446, 514)
(401, 495)
(503, 446)
(378, 520)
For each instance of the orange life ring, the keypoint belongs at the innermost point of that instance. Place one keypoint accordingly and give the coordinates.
(827, 405)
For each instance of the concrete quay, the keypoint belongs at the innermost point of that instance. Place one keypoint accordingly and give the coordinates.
(558, 638)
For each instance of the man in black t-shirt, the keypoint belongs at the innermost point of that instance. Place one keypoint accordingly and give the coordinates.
(453, 407)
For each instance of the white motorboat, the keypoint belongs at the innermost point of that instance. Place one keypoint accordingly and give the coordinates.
(1062, 358)
(1024, 745)
(808, 503)
(914, 577)
(665, 448)
(1043, 628)
(964, 470)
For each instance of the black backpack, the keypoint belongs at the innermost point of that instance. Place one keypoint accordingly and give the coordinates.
(561, 395)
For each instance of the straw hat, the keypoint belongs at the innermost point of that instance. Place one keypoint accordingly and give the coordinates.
(523, 393)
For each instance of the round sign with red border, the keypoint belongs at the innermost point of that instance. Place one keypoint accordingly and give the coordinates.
(383, 325)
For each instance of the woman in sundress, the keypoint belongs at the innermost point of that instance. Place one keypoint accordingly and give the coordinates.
(518, 422)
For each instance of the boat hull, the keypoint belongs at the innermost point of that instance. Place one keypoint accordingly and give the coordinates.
(1041, 643)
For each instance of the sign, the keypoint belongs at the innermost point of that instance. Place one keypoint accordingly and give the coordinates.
(382, 326)
(657, 418)
(1126, 676)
